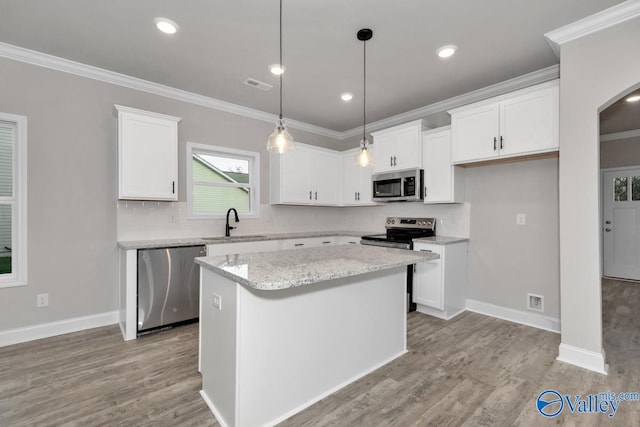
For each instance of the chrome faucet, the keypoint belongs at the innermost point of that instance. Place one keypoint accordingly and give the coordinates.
(228, 228)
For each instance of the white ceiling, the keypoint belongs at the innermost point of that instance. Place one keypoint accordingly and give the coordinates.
(223, 42)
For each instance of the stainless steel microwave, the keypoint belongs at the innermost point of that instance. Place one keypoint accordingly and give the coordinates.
(398, 186)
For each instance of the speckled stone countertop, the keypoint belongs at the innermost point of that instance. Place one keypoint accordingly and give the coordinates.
(440, 240)
(298, 267)
(214, 240)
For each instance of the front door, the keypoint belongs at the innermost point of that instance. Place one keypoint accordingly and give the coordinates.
(621, 223)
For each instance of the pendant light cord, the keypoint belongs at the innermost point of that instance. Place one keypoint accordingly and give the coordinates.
(281, 66)
(364, 96)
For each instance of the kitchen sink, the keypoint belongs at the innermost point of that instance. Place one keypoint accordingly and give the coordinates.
(236, 238)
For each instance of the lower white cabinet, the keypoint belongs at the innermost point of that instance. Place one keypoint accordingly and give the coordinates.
(439, 286)
(243, 247)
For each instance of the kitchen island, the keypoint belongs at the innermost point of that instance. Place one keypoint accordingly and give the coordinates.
(281, 330)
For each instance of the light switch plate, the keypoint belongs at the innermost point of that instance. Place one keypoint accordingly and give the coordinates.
(521, 219)
(216, 300)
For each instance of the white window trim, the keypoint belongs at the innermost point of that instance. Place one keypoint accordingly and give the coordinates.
(18, 275)
(254, 200)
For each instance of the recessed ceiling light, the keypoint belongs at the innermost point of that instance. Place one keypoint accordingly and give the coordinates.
(447, 51)
(346, 96)
(633, 98)
(277, 69)
(165, 25)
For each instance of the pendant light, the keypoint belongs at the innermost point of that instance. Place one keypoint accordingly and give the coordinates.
(364, 157)
(280, 140)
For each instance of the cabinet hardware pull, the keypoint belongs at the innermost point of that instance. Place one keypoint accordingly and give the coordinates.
(501, 144)
(425, 191)
(310, 196)
(494, 143)
(607, 222)
(355, 196)
(173, 187)
(316, 195)
(327, 242)
(607, 230)
(390, 160)
(358, 195)
(425, 250)
(298, 244)
(395, 163)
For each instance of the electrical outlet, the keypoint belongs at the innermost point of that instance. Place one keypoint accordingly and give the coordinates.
(42, 300)
(521, 219)
(216, 300)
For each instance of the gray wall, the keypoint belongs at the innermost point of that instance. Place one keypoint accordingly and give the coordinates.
(594, 71)
(507, 260)
(619, 153)
(72, 183)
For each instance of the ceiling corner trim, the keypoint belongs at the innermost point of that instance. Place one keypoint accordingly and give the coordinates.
(44, 60)
(620, 135)
(594, 23)
(516, 83)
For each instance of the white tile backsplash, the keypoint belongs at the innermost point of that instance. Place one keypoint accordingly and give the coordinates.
(167, 220)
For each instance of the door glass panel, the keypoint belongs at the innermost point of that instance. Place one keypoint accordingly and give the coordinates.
(620, 189)
(635, 188)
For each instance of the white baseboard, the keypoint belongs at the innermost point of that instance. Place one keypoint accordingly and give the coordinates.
(523, 317)
(46, 330)
(587, 359)
(213, 409)
(440, 314)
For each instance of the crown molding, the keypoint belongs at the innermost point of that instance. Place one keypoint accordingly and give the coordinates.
(620, 135)
(594, 23)
(83, 70)
(521, 82)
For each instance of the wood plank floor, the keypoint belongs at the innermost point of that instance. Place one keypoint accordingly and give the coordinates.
(471, 371)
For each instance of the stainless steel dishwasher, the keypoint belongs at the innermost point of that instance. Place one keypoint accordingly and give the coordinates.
(168, 287)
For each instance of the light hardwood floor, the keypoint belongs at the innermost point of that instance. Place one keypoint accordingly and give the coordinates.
(471, 371)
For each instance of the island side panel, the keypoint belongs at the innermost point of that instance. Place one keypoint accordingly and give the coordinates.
(300, 344)
(218, 351)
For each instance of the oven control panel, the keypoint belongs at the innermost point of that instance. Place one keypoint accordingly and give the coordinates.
(415, 223)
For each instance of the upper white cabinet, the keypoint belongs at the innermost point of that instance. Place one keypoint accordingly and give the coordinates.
(398, 147)
(443, 182)
(356, 181)
(306, 175)
(521, 123)
(147, 155)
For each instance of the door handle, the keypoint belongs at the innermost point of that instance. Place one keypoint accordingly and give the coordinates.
(607, 229)
(607, 222)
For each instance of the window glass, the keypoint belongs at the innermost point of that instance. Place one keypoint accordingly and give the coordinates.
(6, 161)
(221, 179)
(5, 239)
(620, 189)
(635, 188)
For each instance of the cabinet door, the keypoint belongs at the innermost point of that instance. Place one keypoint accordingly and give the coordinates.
(350, 178)
(365, 188)
(308, 242)
(408, 148)
(295, 176)
(326, 178)
(428, 280)
(436, 161)
(383, 160)
(473, 131)
(529, 122)
(147, 156)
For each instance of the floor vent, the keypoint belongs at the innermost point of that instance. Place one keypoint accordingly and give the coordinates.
(535, 302)
(257, 84)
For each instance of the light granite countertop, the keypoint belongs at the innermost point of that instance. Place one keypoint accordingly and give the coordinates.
(214, 240)
(298, 267)
(440, 240)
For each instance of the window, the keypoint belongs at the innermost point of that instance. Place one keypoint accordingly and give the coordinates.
(221, 178)
(13, 200)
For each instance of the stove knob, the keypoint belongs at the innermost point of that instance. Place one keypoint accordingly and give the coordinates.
(393, 221)
(420, 223)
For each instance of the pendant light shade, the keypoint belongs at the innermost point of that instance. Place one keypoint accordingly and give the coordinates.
(364, 157)
(280, 141)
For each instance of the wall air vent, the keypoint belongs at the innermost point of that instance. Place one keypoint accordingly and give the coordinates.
(535, 302)
(257, 84)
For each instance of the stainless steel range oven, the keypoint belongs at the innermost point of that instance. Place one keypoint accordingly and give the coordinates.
(400, 234)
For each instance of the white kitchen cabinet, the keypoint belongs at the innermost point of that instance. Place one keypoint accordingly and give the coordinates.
(147, 155)
(398, 147)
(243, 247)
(347, 240)
(356, 181)
(521, 123)
(443, 182)
(439, 286)
(307, 242)
(306, 175)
